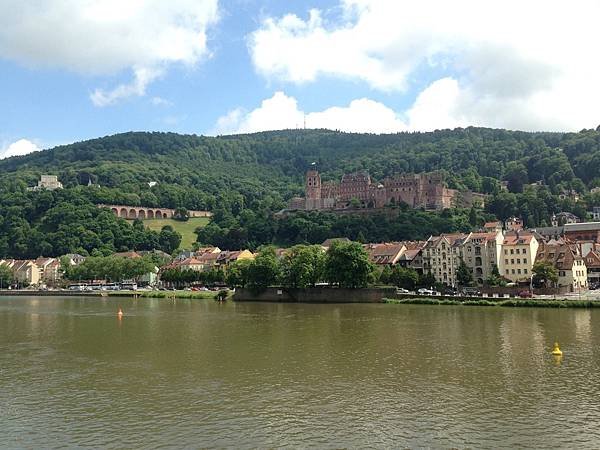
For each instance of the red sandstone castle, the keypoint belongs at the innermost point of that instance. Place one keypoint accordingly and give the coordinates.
(425, 190)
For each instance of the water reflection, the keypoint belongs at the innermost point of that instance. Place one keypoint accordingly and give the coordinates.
(199, 373)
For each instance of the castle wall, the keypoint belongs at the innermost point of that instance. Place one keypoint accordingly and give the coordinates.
(416, 190)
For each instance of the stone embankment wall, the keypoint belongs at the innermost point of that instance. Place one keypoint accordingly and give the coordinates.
(315, 295)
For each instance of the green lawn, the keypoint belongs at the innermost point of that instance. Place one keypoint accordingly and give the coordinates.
(186, 229)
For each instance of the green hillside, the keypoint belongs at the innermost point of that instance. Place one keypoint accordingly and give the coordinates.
(244, 179)
(186, 229)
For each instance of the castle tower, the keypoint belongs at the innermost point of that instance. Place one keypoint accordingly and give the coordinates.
(313, 185)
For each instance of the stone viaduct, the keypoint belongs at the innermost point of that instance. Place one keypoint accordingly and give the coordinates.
(142, 212)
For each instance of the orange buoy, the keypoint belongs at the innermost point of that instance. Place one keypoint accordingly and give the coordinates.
(120, 313)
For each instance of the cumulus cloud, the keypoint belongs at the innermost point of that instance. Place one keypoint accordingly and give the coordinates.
(282, 112)
(19, 148)
(514, 64)
(105, 37)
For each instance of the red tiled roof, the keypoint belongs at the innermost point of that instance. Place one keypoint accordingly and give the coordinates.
(518, 239)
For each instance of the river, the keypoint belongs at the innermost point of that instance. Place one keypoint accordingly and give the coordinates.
(195, 373)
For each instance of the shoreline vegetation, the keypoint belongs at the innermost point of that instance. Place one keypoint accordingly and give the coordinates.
(514, 303)
(213, 295)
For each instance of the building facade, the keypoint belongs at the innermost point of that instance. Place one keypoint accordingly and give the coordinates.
(566, 258)
(426, 190)
(481, 253)
(519, 250)
(441, 257)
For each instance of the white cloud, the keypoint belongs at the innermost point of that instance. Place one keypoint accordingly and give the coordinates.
(19, 148)
(282, 112)
(105, 37)
(159, 101)
(514, 64)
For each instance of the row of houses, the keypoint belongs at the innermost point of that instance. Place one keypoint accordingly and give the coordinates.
(208, 258)
(511, 251)
(34, 271)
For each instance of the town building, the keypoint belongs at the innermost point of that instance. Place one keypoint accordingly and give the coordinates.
(74, 259)
(584, 231)
(518, 255)
(492, 227)
(412, 258)
(48, 182)
(481, 253)
(566, 258)
(513, 224)
(328, 242)
(563, 218)
(385, 254)
(441, 257)
(25, 271)
(592, 264)
(425, 190)
(595, 212)
(49, 270)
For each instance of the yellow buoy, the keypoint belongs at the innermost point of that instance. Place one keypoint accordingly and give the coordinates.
(556, 351)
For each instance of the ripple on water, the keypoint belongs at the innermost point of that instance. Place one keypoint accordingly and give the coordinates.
(257, 375)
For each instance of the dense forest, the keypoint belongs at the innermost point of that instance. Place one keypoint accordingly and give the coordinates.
(245, 179)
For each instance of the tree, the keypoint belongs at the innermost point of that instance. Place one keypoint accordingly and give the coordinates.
(386, 275)
(6, 276)
(181, 214)
(264, 270)
(427, 280)
(464, 275)
(347, 265)
(238, 273)
(495, 279)
(516, 175)
(405, 277)
(169, 239)
(544, 274)
(302, 266)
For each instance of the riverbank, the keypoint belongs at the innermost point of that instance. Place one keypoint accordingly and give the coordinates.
(197, 295)
(513, 303)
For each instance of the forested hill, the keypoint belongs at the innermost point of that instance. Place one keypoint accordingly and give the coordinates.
(243, 179)
(194, 171)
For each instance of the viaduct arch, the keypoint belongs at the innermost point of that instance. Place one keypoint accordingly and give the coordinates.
(142, 212)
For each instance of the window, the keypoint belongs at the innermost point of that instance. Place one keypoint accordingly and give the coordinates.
(525, 271)
(524, 260)
(513, 271)
(506, 271)
(519, 271)
(512, 261)
(512, 251)
(517, 251)
(506, 261)
(506, 252)
(518, 260)
(524, 251)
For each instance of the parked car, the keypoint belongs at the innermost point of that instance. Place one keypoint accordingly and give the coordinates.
(471, 291)
(402, 291)
(525, 294)
(425, 291)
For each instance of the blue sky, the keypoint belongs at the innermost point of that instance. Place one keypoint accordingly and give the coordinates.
(73, 69)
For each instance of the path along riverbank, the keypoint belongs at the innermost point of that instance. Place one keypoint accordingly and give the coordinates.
(138, 294)
(515, 303)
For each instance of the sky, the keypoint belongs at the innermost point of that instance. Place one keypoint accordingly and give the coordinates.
(77, 69)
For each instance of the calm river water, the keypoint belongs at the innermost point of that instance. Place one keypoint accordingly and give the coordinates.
(192, 373)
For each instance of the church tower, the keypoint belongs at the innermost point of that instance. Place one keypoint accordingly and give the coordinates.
(313, 185)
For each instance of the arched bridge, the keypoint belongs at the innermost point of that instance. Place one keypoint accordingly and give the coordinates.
(142, 212)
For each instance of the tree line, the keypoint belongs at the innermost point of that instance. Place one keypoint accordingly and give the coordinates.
(344, 264)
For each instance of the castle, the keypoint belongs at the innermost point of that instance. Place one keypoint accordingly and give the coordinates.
(425, 190)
